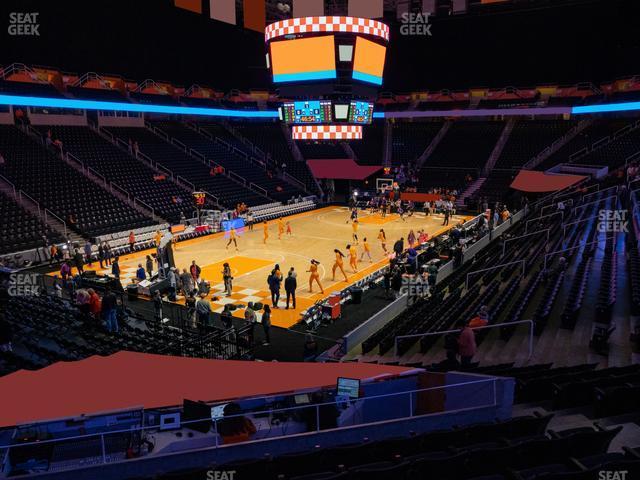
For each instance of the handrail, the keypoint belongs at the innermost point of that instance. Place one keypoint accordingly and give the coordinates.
(411, 394)
(179, 144)
(580, 245)
(504, 244)
(164, 169)
(237, 177)
(124, 144)
(523, 262)
(137, 201)
(47, 211)
(595, 201)
(147, 159)
(291, 178)
(258, 188)
(95, 173)
(497, 325)
(186, 182)
(121, 190)
(584, 197)
(215, 198)
(71, 157)
(22, 193)
(13, 187)
(526, 225)
(196, 153)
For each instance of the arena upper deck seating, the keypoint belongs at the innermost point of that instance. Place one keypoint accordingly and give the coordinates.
(120, 167)
(63, 190)
(180, 163)
(312, 150)
(466, 144)
(528, 138)
(411, 139)
(371, 150)
(270, 139)
(107, 95)
(252, 172)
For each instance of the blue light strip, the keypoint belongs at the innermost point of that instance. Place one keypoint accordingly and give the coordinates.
(130, 107)
(607, 107)
(304, 76)
(367, 77)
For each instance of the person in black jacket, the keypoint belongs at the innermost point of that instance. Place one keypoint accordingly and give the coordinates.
(290, 286)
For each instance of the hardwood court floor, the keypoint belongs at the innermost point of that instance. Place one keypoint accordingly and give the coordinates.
(314, 235)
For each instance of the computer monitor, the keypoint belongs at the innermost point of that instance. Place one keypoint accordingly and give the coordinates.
(217, 411)
(302, 399)
(348, 387)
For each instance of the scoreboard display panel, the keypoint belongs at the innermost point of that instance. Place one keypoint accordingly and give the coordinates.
(307, 112)
(303, 59)
(360, 112)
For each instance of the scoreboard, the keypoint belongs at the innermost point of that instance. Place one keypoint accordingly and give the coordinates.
(199, 198)
(307, 112)
(360, 112)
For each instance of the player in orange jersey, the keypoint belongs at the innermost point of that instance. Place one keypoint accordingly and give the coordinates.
(232, 238)
(289, 232)
(353, 257)
(383, 240)
(354, 226)
(315, 276)
(265, 229)
(366, 249)
(280, 228)
(338, 264)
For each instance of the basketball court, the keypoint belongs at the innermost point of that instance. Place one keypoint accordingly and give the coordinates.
(314, 235)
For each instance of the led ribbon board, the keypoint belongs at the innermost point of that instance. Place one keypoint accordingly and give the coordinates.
(326, 132)
(293, 26)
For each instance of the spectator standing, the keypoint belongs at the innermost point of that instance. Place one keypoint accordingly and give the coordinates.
(101, 254)
(250, 318)
(95, 304)
(132, 240)
(140, 273)
(195, 272)
(190, 303)
(226, 317)
(187, 282)
(266, 324)
(149, 265)
(203, 310)
(109, 311)
(87, 253)
(107, 254)
(115, 268)
(173, 283)
(77, 259)
(157, 306)
(274, 287)
(290, 286)
(227, 278)
(466, 345)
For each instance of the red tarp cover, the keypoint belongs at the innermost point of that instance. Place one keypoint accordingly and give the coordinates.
(534, 181)
(341, 169)
(129, 379)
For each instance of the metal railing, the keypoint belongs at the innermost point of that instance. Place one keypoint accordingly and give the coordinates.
(523, 262)
(186, 183)
(120, 190)
(526, 225)
(48, 213)
(164, 170)
(581, 245)
(253, 186)
(445, 332)
(22, 193)
(504, 245)
(10, 184)
(266, 431)
(236, 177)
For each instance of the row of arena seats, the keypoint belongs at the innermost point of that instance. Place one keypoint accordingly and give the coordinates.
(47, 329)
(516, 449)
(165, 197)
(20, 230)
(282, 210)
(230, 159)
(411, 139)
(270, 138)
(228, 192)
(86, 207)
